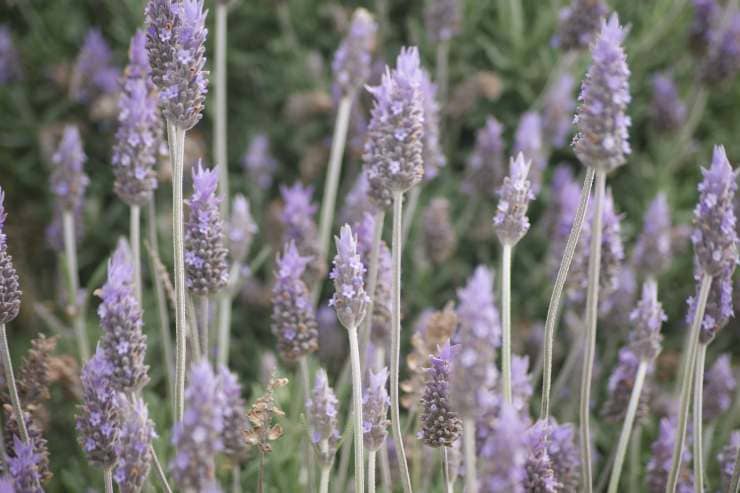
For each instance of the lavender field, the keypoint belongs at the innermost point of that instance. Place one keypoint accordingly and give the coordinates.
(432, 246)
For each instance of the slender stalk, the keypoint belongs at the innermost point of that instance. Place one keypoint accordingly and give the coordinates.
(135, 240)
(629, 419)
(372, 284)
(395, 355)
(224, 320)
(371, 471)
(176, 139)
(686, 384)
(506, 320)
(10, 380)
(635, 459)
(236, 479)
(159, 470)
(108, 478)
(203, 313)
(471, 477)
(553, 308)
(193, 330)
(308, 450)
(261, 474)
(449, 478)
(592, 305)
(564, 377)
(73, 282)
(328, 202)
(219, 123)
(701, 355)
(443, 57)
(324, 485)
(410, 211)
(354, 350)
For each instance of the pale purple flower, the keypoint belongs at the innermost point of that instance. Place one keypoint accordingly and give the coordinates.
(615, 309)
(503, 455)
(579, 24)
(299, 226)
(375, 402)
(23, 467)
(10, 291)
(722, 59)
(557, 112)
(528, 140)
(602, 141)
(235, 422)
(511, 221)
(653, 249)
(661, 456)
(486, 167)
(667, 111)
(241, 228)
(442, 19)
(564, 455)
(440, 423)
(133, 449)
(93, 74)
(647, 318)
(121, 319)
(259, 162)
(322, 412)
(68, 180)
(433, 157)
(726, 458)
(440, 237)
(540, 473)
(10, 63)
(719, 388)
(351, 65)
(350, 299)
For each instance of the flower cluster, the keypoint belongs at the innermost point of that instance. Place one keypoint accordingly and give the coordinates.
(667, 110)
(440, 424)
(322, 410)
(433, 158)
(440, 237)
(10, 291)
(557, 113)
(259, 162)
(375, 403)
(352, 60)
(485, 167)
(350, 299)
(93, 74)
(133, 450)
(719, 388)
(299, 226)
(727, 457)
(579, 23)
(647, 317)
(23, 468)
(653, 248)
(621, 383)
(10, 63)
(511, 221)
(235, 418)
(503, 455)
(241, 228)
(442, 19)
(540, 473)
(69, 181)
(528, 140)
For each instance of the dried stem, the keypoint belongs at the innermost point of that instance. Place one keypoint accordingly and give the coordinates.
(701, 355)
(506, 320)
(73, 284)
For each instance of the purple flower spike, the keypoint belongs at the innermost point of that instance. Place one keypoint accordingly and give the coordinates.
(10, 290)
(440, 237)
(93, 74)
(661, 457)
(647, 317)
(121, 319)
(433, 156)
(511, 221)
(528, 141)
(176, 35)
(442, 19)
(352, 60)
(322, 410)
(579, 23)
(719, 307)
(653, 250)
(540, 473)
(259, 163)
(133, 449)
(10, 63)
(602, 141)
(293, 315)
(242, 228)
(197, 438)
(99, 416)
(722, 60)
(440, 424)
(375, 403)
(503, 455)
(486, 166)
(395, 143)
(206, 271)
(137, 137)
(23, 468)
(719, 388)
(726, 459)
(235, 417)
(564, 455)
(299, 226)
(350, 299)
(667, 110)
(69, 181)
(557, 113)
(713, 236)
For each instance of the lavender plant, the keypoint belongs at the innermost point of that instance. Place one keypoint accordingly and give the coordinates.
(442, 20)
(93, 74)
(133, 447)
(259, 162)
(322, 409)
(485, 168)
(375, 423)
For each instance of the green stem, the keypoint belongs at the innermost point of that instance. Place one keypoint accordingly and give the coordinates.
(506, 320)
(635, 462)
(73, 282)
(236, 479)
(135, 240)
(108, 476)
(325, 473)
(471, 478)
(686, 384)
(395, 356)
(219, 123)
(629, 419)
(12, 388)
(553, 308)
(592, 306)
(371, 471)
(701, 355)
(449, 478)
(159, 470)
(354, 350)
(410, 212)
(203, 310)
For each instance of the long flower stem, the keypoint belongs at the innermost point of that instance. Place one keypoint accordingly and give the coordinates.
(219, 123)
(10, 382)
(371, 471)
(701, 355)
(395, 355)
(328, 202)
(308, 450)
(73, 282)
(372, 284)
(203, 312)
(443, 56)
(176, 139)
(354, 350)
(410, 211)
(506, 320)
(449, 478)
(224, 319)
(471, 477)
(324, 485)
(635, 459)
(592, 305)
(236, 479)
(686, 384)
(108, 477)
(159, 470)
(135, 240)
(629, 419)
(553, 308)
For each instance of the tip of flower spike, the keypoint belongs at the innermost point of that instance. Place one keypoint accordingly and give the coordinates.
(377, 379)
(205, 182)
(137, 50)
(611, 31)
(446, 351)
(291, 264)
(346, 242)
(408, 64)
(721, 166)
(520, 167)
(297, 198)
(120, 271)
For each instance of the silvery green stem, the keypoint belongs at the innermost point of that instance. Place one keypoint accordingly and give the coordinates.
(371, 471)
(325, 473)
(203, 325)
(443, 56)
(135, 240)
(395, 355)
(701, 355)
(506, 320)
(571, 362)
(73, 283)
(553, 308)
(329, 199)
(592, 309)
(108, 477)
(219, 123)
(635, 459)
(159, 470)
(12, 388)
(629, 419)
(471, 477)
(686, 384)
(193, 329)
(176, 140)
(224, 319)
(410, 212)
(354, 352)
(449, 478)
(236, 479)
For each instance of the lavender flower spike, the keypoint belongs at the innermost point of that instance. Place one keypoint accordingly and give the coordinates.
(440, 424)
(602, 139)
(440, 237)
(23, 468)
(727, 458)
(352, 60)
(299, 226)
(722, 61)
(620, 387)
(442, 19)
(350, 299)
(540, 473)
(99, 417)
(241, 229)
(511, 221)
(713, 236)
(133, 449)
(394, 149)
(198, 437)
(557, 113)
(719, 388)
(293, 316)
(653, 248)
(647, 317)
(375, 410)
(68, 181)
(432, 155)
(10, 63)
(660, 461)
(93, 74)
(322, 410)
(121, 320)
(528, 141)
(259, 163)
(579, 23)
(667, 110)
(706, 16)
(564, 454)
(235, 417)
(137, 137)
(10, 292)
(485, 166)
(206, 271)
(503, 455)
(176, 35)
